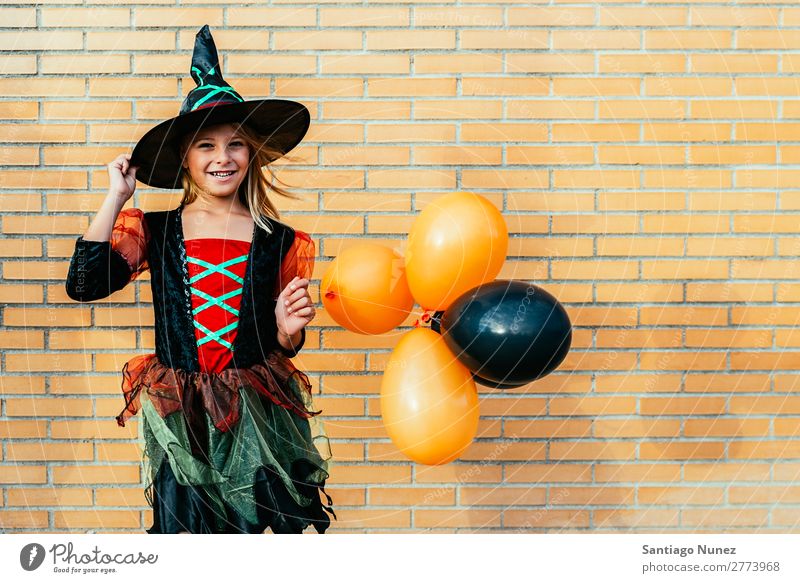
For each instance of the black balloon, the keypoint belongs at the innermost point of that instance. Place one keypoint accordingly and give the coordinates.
(507, 332)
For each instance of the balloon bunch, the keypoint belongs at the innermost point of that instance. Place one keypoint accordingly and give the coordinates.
(499, 333)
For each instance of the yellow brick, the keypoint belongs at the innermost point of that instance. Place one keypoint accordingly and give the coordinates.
(546, 16)
(439, 155)
(366, 518)
(502, 178)
(50, 40)
(85, 17)
(496, 39)
(610, 429)
(637, 201)
(541, 109)
(117, 518)
(549, 63)
(129, 40)
(594, 270)
(759, 315)
(595, 39)
(760, 86)
(733, 109)
(641, 155)
(596, 179)
(642, 63)
(292, 16)
(695, 223)
(724, 155)
(763, 268)
(545, 518)
(610, 132)
(685, 269)
(634, 246)
(594, 86)
(250, 64)
(689, 178)
(121, 497)
(645, 383)
(550, 201)
(23, 519)
(688, 39)
(739, 16)
(295, 87)
(648, 518)
(40, 88)
(50, 497)
(690, 450)
(577, 450)
(319, 40)
(733, 63)
(695, 132)
(549, 428)
(19, 17)
(631, 17)
(637, 338)
(725, 201)
(47, 452)
(23, 474)
(692, 517)
(95, 474)
(503, 132)
(178, 16)
(767, 450)
(18, 64)
(729, 338)
(726, 428)
(550, 155)
(363, 17)
(383, 40)
(682, 406)
(631, 292)
(541, 473)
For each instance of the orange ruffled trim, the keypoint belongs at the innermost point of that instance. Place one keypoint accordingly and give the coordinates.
(171, 389)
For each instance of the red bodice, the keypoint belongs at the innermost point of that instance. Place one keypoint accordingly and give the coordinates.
(216, 273)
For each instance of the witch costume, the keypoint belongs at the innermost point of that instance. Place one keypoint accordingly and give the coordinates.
(232, 443)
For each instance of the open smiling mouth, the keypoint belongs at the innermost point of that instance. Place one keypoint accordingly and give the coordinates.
(223, 175)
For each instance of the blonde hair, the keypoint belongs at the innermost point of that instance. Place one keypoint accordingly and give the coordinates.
(255, 188)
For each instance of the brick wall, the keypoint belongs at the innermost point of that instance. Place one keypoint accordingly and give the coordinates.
(644, 155)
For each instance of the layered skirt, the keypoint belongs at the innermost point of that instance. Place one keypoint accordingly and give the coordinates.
(237, 451)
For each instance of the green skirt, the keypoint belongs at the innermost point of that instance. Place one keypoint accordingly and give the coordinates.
(267, 471)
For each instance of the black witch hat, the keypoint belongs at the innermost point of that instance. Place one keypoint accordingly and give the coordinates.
(280, 122)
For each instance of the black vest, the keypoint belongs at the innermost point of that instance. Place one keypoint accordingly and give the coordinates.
(96, 271)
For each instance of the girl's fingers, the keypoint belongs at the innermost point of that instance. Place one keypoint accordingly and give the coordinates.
(297, 296)
(302, 311)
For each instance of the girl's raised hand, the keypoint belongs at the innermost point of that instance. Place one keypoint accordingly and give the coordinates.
(294, 309)
(122, 178)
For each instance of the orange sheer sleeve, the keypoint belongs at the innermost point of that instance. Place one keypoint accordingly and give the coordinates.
(129, 238)
(299, 261)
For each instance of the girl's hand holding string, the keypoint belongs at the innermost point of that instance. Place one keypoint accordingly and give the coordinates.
(294, 309)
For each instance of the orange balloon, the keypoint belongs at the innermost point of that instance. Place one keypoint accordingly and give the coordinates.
(365, 289)
(456, 243)
(429, 402)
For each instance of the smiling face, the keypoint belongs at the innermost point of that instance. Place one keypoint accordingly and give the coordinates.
(217, 159)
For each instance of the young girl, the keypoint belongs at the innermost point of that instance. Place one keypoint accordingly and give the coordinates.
(232, 444)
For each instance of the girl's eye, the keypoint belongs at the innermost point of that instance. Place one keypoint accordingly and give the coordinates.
(237, 143)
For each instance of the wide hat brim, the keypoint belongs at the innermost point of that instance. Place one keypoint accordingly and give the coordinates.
(281, 123)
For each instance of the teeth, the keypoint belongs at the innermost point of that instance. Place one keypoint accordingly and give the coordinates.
(222, 173)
